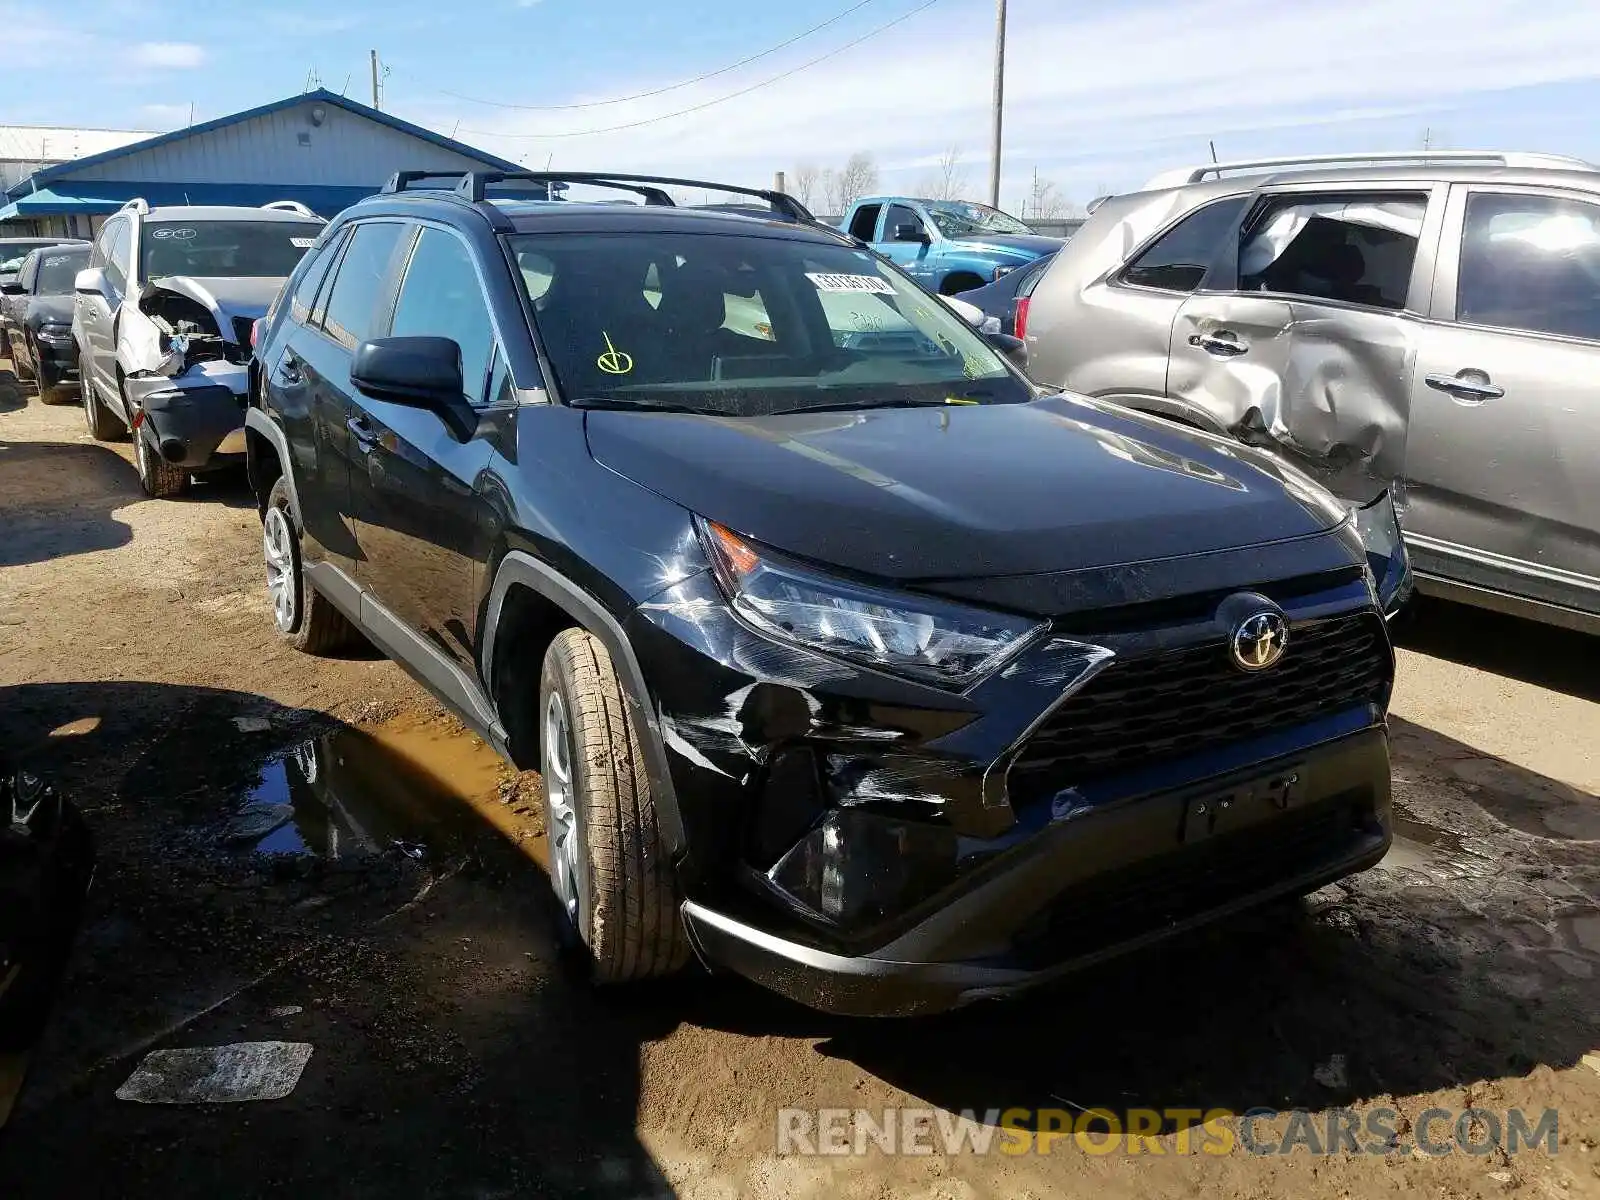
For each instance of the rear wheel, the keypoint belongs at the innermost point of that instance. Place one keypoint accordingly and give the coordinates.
(159, 478)
(608, 865)
(304, 617)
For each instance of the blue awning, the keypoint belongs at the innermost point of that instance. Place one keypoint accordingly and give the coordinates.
(97, 198)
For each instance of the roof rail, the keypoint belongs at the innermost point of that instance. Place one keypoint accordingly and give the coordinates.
(473, 186)
(138, 204)
(1180, 176)
(293, 206)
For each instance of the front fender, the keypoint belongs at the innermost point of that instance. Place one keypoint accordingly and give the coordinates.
(520, 568)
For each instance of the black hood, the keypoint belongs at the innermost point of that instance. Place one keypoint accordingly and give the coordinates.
(1033, 244)
(961, 492)
(49, 309)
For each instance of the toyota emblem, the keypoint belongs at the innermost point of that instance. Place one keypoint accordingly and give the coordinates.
(1260, 640)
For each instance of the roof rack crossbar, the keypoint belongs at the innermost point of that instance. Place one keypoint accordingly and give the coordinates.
(651, 187)
(401, 180)
(1180, 176)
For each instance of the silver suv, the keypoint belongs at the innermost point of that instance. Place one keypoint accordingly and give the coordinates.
(1427, 323)
(162, 323)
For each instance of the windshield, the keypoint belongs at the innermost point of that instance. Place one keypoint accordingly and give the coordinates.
(959, 218)
(57, 271)
(747, 326)
(225, 248)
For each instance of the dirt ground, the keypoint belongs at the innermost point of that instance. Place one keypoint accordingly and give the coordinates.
(310, 851)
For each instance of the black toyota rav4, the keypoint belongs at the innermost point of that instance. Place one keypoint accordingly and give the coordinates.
(852, 660)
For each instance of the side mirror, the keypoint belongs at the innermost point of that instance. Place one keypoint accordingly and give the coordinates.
(422, 372)
(910, 232)
(91, 281)
(1014, 349)
(13, 288)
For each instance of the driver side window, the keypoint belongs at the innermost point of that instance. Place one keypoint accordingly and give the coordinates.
(111, 251)
(899, 215)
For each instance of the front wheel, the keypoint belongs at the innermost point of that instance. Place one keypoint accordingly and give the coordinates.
(304, 617)
(608, 866)
(103, 426)
(160, 479)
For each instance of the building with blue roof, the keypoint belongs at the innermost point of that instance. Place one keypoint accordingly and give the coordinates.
(322, 149)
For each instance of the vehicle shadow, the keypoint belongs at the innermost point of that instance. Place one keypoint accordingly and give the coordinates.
(384, 920)
(59, 500)
(1559, 659)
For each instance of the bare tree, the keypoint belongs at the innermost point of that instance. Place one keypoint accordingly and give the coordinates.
(1045, 201)
(949, 182)
(805, 182)
(858, 177)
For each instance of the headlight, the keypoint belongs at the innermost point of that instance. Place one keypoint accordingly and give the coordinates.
(916, 636)
(55, 335)
(999, 271)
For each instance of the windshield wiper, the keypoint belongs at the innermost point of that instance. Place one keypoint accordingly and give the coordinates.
(611, 403)
(852, 405)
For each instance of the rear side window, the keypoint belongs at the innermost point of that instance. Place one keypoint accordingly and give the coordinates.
(305, 292)
(864, 224)
(441, 297)
(1531, 262)
(1179, 258)
(1357, 250)
(352, 307)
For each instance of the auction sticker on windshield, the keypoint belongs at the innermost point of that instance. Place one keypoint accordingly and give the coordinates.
(851, 283)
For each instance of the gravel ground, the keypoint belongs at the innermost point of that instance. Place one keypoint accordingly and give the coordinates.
(402, 929)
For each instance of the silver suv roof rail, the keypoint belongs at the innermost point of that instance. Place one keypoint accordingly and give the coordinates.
(293, 206)
(138, 204)
(1180, 176)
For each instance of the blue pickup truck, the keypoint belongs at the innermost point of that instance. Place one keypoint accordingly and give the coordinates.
(949, 246)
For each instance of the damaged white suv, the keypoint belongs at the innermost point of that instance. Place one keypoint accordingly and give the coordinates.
(162, 324)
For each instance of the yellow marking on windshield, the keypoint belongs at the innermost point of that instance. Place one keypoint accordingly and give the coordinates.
(959, 400)
(613, 361)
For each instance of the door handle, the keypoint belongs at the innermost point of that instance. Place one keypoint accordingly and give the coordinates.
(362, 432)
(1466, 387)
(1223, 343)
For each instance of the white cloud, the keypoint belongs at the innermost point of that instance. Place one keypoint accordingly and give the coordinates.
(168, 55)
(1107, 97)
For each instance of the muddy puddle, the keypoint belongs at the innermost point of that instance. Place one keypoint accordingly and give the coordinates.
(409, 787)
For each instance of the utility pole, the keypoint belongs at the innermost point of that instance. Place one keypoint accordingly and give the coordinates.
(999, 101)
(375, 103)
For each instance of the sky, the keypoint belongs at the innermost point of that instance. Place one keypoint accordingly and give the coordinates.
(1098, 96)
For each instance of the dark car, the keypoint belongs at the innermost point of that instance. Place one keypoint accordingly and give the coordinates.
(37, 310)
(1005, 301)
(46, 860)
(14, 250)
(865, 668)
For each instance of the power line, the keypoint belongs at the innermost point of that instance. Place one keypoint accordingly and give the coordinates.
(743, 62)
(683, 112)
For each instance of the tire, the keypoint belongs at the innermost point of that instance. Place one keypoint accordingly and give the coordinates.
(160, 479)
(608, 866)
(103, 426)
(303, 616)
(26, 374)
(959, 283)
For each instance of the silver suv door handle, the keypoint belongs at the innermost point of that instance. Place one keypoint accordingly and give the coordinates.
(1224, 343)
(1469, 385)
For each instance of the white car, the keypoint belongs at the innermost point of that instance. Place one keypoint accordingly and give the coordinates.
(162, 321)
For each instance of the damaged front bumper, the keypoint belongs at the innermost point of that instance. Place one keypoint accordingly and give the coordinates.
(196, 419)
(870, 844)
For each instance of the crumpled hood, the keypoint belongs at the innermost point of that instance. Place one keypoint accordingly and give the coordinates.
(1023, 245)
(226, 297)
(963, 492)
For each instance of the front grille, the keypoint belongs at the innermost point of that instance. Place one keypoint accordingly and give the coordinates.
(1144, 711)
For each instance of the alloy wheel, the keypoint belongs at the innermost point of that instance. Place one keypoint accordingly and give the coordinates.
(277, 548)
(556, 767)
